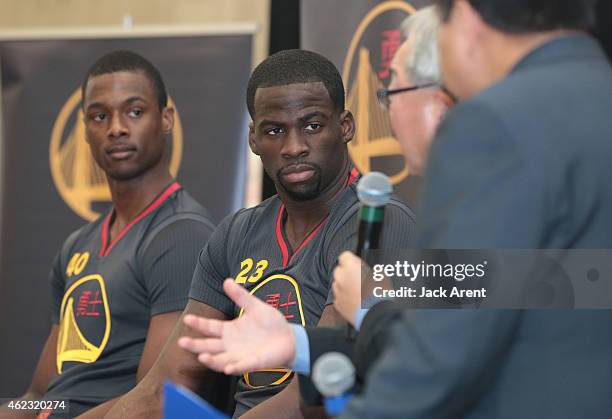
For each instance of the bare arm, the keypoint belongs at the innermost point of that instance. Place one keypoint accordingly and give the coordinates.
(44, 372)
(173, 363)
(160, 328)
(331, 318)
(286, 404)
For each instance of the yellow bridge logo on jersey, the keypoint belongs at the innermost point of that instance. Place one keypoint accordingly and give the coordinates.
(283, 293)
(77, 177)
(85, 299)
(373, 136)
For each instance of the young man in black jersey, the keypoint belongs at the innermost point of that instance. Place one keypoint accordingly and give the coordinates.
(282, 251)
(120, 283)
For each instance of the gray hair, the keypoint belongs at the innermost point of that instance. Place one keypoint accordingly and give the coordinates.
(423, 61)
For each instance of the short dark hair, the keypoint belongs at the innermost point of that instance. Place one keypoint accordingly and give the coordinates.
(522, 16)
(296, 66)
(123, 60)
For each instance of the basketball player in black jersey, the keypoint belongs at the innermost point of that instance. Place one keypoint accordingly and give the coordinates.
(120, 283)
(282, 251)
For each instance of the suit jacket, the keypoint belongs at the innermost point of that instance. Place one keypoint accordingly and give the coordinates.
(363, 350)
(524, 164)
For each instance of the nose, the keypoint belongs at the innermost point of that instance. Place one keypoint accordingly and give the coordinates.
(117, 127)
(294, 145)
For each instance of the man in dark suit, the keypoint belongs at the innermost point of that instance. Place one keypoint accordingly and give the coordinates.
(522, 162)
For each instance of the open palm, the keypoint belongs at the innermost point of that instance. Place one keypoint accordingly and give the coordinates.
(260, 338)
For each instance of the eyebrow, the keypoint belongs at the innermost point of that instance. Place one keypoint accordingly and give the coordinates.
(313, 115)
(268, 122)
(306, 117)
(128, 101)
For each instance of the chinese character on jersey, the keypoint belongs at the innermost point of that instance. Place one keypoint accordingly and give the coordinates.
(275, 301)
(86, 306)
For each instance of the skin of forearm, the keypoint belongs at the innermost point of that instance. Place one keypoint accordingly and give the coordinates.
(284, 405)
(174, 364)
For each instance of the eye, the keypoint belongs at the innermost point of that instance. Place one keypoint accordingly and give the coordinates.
(274, 131)
(135, 113)
(312, 127)
(98, 117)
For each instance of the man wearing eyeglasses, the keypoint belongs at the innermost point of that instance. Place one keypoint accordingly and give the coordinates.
(416, 102)
(414, 99)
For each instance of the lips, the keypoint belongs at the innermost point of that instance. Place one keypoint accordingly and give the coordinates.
(121, 151)
(297, 173)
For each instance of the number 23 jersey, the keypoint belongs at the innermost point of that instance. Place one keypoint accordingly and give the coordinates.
(251, 247)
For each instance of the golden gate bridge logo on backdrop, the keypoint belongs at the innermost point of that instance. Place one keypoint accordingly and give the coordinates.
(78, 178)
(366, 70)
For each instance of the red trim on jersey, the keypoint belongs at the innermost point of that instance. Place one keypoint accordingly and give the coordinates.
(352, 176)
(281, 240)
(279, 236)
(310, 236)
(105, 233)
(279, 221)
(160, 199)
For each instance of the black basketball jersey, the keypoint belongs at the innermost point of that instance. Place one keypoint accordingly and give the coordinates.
(250, 246)
(105, 293)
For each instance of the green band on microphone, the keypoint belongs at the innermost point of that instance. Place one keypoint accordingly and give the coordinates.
(372, 214)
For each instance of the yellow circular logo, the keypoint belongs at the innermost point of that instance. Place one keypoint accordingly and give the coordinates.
(85, 299)
(77, 177)
(365, 70)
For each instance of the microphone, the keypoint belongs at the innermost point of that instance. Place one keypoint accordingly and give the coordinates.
(374, 192)
(333, 374)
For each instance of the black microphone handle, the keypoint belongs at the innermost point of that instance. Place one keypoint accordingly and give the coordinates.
(369, 236)
(368, 239)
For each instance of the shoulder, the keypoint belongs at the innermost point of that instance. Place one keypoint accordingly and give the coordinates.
(180, 218)
(344, 222)
(246, 219)
(558, 105)
(263, 209)
(181, 206)
(401, 210)
(233, 229)
(348, 208)
(547, 103)
(82, 235)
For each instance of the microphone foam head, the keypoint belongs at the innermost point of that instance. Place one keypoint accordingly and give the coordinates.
(333, 374)
(374, 189)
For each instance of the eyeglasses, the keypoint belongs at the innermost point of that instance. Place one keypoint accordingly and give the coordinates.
(383, 94)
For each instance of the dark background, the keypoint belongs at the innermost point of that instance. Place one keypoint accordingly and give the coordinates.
(285, 34)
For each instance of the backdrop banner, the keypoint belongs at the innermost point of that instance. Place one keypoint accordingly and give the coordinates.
(362, 48)
(50, 183)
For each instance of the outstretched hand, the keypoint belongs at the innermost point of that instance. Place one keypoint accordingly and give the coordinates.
(260, 338)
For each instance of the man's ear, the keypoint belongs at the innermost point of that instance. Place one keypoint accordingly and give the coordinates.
(347, 125)
(167, 119)
(252, 139)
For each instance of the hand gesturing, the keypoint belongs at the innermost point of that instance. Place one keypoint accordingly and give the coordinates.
(260, 338)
